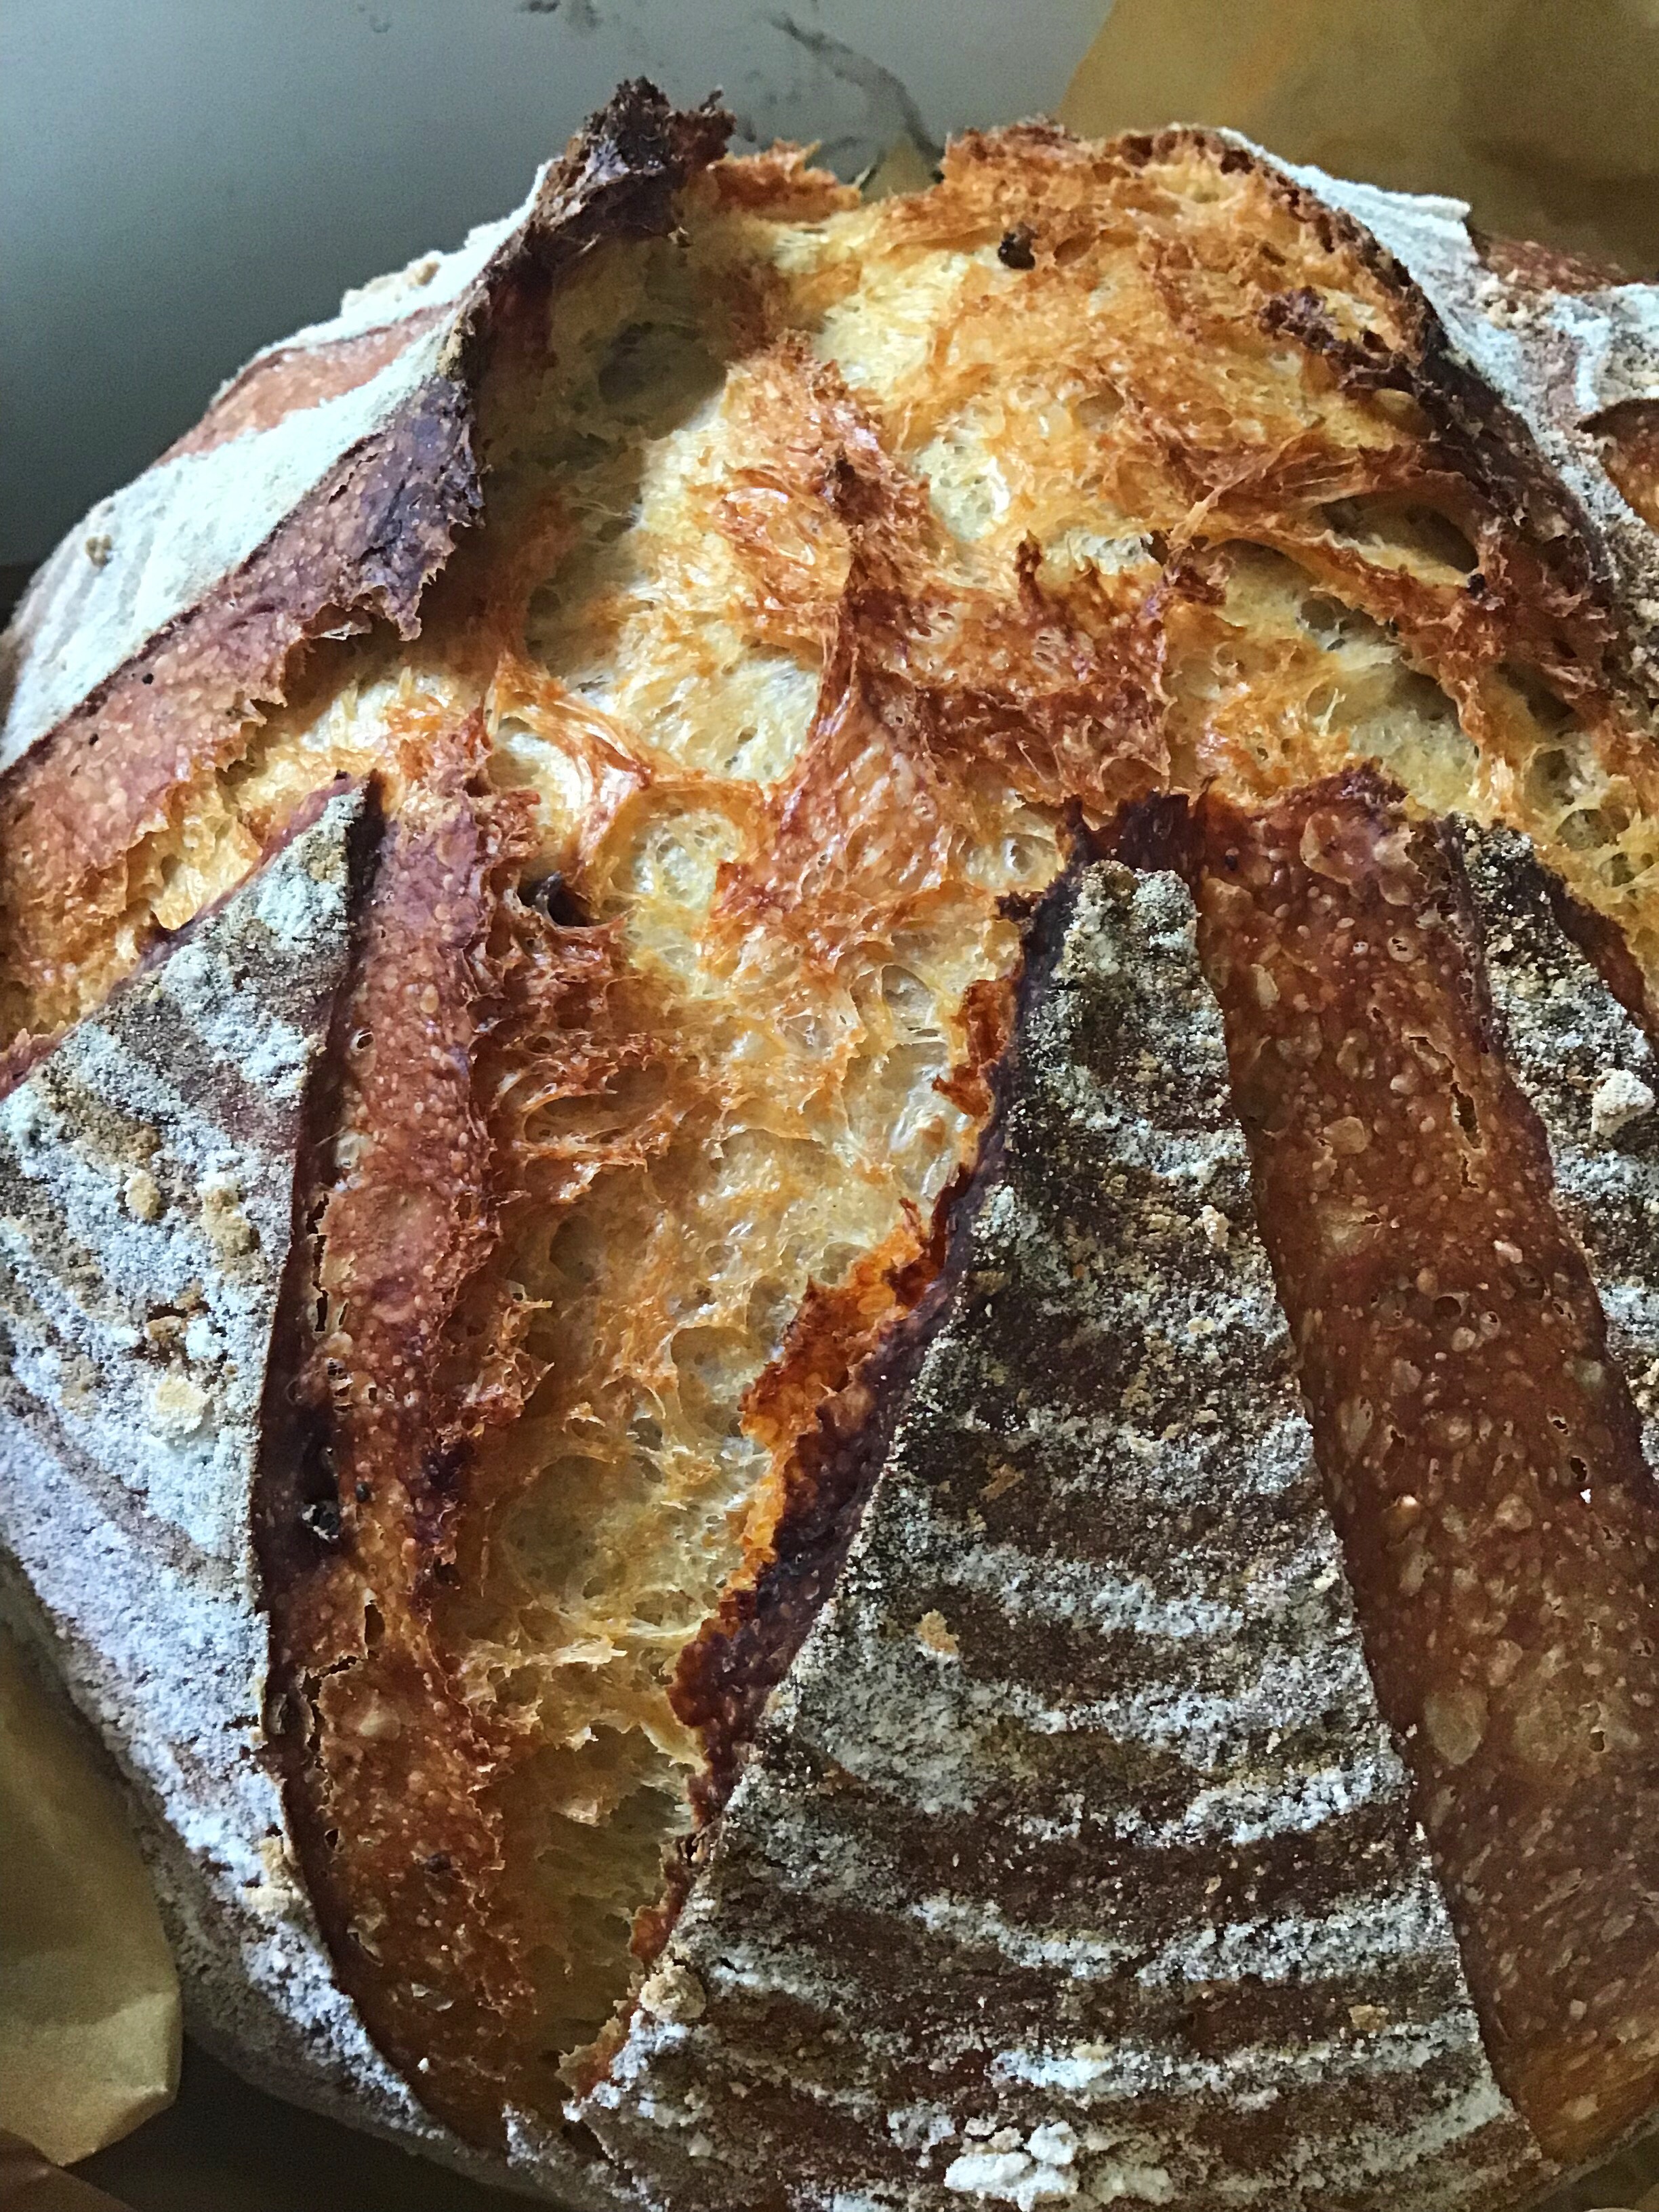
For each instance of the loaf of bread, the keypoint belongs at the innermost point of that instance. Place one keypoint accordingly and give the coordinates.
(830, 1183)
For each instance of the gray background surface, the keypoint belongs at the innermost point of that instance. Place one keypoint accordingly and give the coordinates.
(182, 180)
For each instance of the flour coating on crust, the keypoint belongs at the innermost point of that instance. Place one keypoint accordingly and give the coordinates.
(147, 1175)
(146, 1213)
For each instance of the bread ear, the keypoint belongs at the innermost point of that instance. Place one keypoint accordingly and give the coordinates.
(322, 492)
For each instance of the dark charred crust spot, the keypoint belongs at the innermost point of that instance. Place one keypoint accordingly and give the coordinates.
(553, 896)
(1152, 833)
(322, 1516)
(1362, 364)
(620, 173)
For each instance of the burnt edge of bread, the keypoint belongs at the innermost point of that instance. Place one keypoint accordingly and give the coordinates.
(289, 1484)
(1604, 946)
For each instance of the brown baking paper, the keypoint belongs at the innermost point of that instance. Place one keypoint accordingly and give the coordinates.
(1543, 114)
(29, 2182)
(89, 1998)
(226, 2147)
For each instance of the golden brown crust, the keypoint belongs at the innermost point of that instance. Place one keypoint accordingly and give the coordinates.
(779, 182)
(471, 1019)
(925, 686)
(1060, 691)
(384, 1767)
(1481, 1452)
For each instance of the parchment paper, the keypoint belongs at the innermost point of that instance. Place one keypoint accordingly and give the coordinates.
(89, 1998)
(29, 2182)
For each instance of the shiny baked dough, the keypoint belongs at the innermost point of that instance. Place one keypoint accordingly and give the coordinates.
(833, 555)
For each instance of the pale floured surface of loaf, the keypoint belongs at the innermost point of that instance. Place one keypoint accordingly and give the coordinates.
(1097, 1559)
(831, 554)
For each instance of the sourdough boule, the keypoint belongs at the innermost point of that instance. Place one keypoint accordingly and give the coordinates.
(825, 1245)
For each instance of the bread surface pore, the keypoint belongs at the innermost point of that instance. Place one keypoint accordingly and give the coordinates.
(839, 565)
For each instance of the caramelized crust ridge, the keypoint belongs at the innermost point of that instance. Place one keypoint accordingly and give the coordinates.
(1481, 1450)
